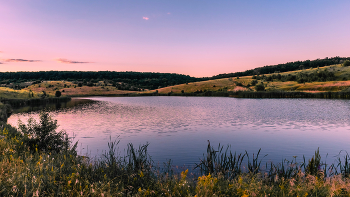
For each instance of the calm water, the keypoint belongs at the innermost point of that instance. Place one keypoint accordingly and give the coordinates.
(178, 128)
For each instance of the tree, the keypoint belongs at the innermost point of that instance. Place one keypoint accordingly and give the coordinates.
(346, 63)
(42, 136)
(58, 94)
(254, 82)
(260, 87)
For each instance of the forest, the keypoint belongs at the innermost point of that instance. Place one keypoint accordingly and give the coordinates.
(122, 80)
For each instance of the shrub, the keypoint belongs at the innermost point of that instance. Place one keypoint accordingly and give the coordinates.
(346, 63)
(254, 82)
(42, 136)
(260, 87)
(58, 94)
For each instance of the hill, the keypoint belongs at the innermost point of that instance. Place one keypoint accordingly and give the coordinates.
(329, 78)
(289, 66)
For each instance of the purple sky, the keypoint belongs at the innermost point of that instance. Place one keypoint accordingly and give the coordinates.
(193, 37)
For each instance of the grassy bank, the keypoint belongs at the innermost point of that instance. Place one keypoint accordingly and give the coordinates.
(36, 160)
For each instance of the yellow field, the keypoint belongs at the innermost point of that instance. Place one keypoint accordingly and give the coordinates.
(70, 89)
(8, 93)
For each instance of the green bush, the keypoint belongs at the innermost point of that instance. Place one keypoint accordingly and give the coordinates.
(346, 63)
(58, 93)
(260, 87)
(42, 136)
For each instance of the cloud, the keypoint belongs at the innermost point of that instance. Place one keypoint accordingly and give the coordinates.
(145, 18)
(168, 13)
(61, 60)
(20, 60)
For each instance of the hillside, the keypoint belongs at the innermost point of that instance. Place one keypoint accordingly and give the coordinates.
(71, 89)
(332, 78)
(289, 66)
(134, 81)
(329, 78)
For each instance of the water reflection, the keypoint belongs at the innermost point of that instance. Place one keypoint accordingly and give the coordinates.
(178, 128)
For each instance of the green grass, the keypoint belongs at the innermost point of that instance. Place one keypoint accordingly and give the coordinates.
(27, 170)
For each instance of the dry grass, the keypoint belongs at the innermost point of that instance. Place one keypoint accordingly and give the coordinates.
(8, 93)
(71, 89)
(230, 84)
(210, 85)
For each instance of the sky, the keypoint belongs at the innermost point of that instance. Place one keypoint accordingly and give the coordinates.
(200, 38)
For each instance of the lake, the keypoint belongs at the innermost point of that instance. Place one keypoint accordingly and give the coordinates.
(178, 128)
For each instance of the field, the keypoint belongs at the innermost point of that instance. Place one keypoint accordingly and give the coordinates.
(8, 93)
(70, 89)
(341, 83)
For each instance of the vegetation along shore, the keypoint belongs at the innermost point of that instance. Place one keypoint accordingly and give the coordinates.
(37, 160)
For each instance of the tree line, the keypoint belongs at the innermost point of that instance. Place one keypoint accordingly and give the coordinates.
(122, 80)
(289, 66)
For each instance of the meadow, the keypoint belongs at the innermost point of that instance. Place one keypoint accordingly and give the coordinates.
(71, 89)
(37, 160)
(236, 84)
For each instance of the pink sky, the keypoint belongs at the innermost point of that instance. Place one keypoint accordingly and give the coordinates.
(203, 38)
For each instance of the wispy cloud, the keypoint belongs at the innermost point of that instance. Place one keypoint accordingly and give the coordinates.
(61, 60)
(168, 13)
(145, 18)
(20, 60)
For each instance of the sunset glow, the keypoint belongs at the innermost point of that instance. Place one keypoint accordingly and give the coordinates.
(196, 38)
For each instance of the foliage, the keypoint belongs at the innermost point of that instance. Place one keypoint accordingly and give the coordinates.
(121, 80)
(42, 136)
(346, 63)
(290, 66)
(58, 94)
(260, 87)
